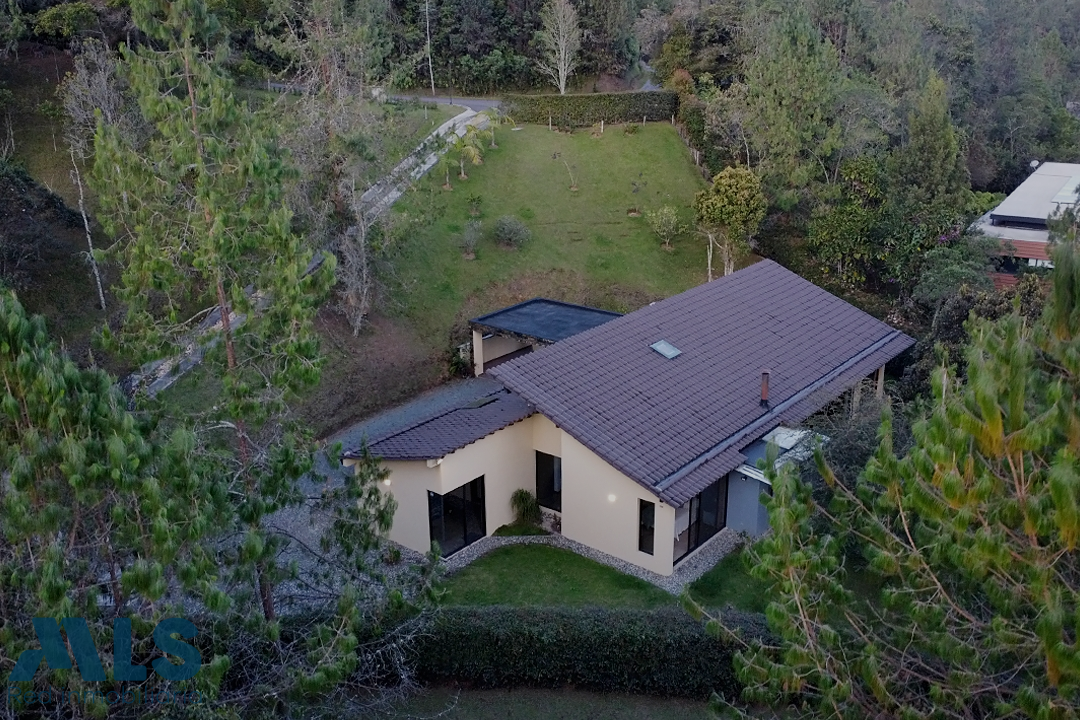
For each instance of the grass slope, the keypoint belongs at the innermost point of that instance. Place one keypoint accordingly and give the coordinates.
(584, 247)
(543, 575)
(730, 583)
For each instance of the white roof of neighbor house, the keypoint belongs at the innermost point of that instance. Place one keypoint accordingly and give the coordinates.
(1042, 194)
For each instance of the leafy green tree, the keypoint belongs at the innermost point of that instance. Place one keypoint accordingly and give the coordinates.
(729, 214)
(469, 149)
(66, 19)
(846, 235)
(665, 222)
(12, 28)
(947, 268)
(929, 178)
(971, 537)
(103, 514)
(198, 212)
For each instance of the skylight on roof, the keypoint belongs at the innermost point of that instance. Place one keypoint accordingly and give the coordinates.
(666, 349)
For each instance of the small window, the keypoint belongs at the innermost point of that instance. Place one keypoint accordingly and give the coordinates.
(549, 481)
(646, 526)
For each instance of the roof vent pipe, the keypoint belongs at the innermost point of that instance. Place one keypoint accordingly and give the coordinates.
(765, 388)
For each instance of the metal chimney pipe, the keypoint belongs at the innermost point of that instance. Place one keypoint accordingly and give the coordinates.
(765, 388)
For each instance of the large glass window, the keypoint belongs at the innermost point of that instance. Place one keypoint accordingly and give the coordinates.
(646, 526)
(549, 481)
(457, 518)
(701, 518)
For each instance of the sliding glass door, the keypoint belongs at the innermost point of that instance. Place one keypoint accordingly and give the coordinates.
(457, 518)
(707, 516)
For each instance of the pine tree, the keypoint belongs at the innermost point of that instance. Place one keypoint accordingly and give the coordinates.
(929, 175)
(971, 537)
(199, 215)
(103, 514)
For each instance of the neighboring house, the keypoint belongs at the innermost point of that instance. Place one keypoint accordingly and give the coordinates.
(1020, 220)
(641, 433)
(519, 329)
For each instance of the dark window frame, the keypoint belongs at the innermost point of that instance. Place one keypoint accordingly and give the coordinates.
(466, 504)
(549, 481)
(646, 526)
(708, 515)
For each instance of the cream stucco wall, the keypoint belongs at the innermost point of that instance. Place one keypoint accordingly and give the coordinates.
(507, 460)
(600, 509)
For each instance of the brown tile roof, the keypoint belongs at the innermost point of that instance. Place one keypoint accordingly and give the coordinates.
(677, 425)
(1027, 249)
(442, 434)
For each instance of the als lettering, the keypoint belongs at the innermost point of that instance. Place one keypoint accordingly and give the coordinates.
(89, 662)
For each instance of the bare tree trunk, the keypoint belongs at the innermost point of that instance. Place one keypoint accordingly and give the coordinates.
(710, 239)
(427, 21)
(77, 177)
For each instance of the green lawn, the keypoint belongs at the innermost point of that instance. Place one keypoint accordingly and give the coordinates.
(730, 583)
(584, 247)
(545, 575)
(534, 704)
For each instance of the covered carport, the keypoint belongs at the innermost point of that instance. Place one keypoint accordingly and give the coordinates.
(519, 329)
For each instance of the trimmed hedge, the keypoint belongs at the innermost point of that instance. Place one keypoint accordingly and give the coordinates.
(692, 116)
(584, 110)
(657, 652)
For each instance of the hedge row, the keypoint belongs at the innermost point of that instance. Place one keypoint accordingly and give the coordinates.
(657, 652)
(583, 110)
(692, 116)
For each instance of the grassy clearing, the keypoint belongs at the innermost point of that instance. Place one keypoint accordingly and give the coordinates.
(585, 247)
(534, 704)
(730, 583)
(543, 575)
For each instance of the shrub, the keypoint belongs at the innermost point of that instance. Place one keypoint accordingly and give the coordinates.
(474, 202)
(665, 223)
(586, 110)
(517, 529)
(658, 652)
(511, 232)
(526, 508)
(470, 238)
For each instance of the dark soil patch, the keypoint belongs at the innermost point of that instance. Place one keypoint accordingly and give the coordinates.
(53, 280)
(383, 366)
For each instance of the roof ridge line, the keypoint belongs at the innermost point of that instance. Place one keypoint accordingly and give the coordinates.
(773, 413)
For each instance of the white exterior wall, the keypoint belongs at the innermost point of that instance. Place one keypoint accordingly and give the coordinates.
(507, 460)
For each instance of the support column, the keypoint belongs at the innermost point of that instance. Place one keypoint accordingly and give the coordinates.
(856, 393)
(478, 352)
(879, 391)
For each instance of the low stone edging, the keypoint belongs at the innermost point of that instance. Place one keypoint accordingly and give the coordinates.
(686, 572)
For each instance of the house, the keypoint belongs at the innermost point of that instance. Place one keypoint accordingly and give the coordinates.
(1020, 220)
(640, 434)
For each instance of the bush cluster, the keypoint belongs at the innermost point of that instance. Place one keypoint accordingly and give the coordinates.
(657, 652)
(511, 232)
(586, 110)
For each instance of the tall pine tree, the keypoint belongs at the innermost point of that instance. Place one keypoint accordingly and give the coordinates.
(199, 214)
(972, 536)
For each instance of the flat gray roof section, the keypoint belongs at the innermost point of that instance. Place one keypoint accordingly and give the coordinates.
(543, 319)
(1034, 200)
